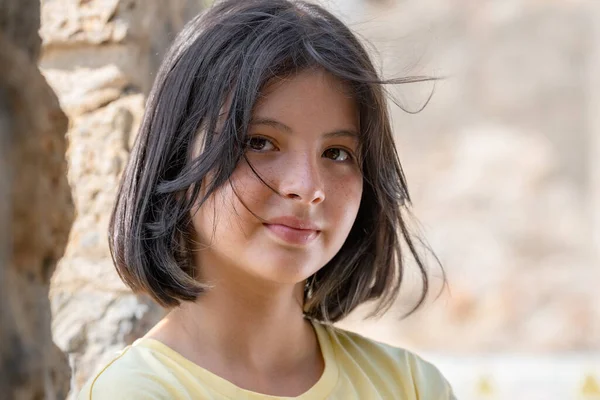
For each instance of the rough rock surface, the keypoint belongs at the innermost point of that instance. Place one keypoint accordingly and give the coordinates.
(100, 57)
(36, 210)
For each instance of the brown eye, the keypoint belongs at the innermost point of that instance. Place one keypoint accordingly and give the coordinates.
(336, 154)
(258, 143)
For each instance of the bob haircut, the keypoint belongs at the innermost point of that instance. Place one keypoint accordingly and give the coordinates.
(226, 55)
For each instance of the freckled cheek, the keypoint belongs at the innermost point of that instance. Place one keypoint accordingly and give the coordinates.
(226, 207)
(250, 188)
(344, 194)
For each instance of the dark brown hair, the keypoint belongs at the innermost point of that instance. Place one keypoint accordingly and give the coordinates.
(230, 52)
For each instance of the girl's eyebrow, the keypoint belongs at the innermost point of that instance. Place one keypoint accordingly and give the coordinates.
(283, 127)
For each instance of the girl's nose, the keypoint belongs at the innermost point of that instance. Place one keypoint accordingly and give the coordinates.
(301, 181)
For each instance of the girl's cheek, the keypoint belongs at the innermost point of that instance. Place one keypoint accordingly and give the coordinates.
(257, 164)
(354, 187)
(248, 182)
(346, 178)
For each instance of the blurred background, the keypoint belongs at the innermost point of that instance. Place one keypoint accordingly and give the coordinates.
(503, 166)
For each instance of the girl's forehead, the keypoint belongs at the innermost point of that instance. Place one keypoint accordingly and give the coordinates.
(310, 97)
(307, 79)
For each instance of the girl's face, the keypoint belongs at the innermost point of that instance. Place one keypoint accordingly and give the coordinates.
(303, 142)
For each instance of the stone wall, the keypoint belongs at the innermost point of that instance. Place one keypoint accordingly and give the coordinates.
(100, 57)
(36, 210)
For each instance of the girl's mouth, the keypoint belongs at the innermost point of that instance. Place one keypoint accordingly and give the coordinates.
(295, 236)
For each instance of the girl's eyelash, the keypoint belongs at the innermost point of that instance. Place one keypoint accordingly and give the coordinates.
(259, 137)
(351, 155)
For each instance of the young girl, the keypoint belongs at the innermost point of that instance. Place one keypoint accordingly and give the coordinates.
(263, 201)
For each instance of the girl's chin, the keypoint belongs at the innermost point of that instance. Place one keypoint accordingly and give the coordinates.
(283, 271)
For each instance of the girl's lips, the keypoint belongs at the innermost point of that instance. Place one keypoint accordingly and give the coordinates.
(291, 235)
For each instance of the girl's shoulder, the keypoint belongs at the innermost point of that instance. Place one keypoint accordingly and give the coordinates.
(389, 364)
(353, 342)
(135, 372)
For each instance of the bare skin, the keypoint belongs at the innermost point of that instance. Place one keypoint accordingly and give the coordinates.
(249, 328)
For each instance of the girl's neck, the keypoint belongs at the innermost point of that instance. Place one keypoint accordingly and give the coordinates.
(257, 326)
(233, 329)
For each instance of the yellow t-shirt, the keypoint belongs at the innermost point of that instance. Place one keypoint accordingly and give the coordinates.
(355, 368)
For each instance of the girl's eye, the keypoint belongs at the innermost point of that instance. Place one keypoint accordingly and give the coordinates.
(336, 154)
(258, 143)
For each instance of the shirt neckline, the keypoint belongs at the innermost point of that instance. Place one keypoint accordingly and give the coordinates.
(321, 389)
